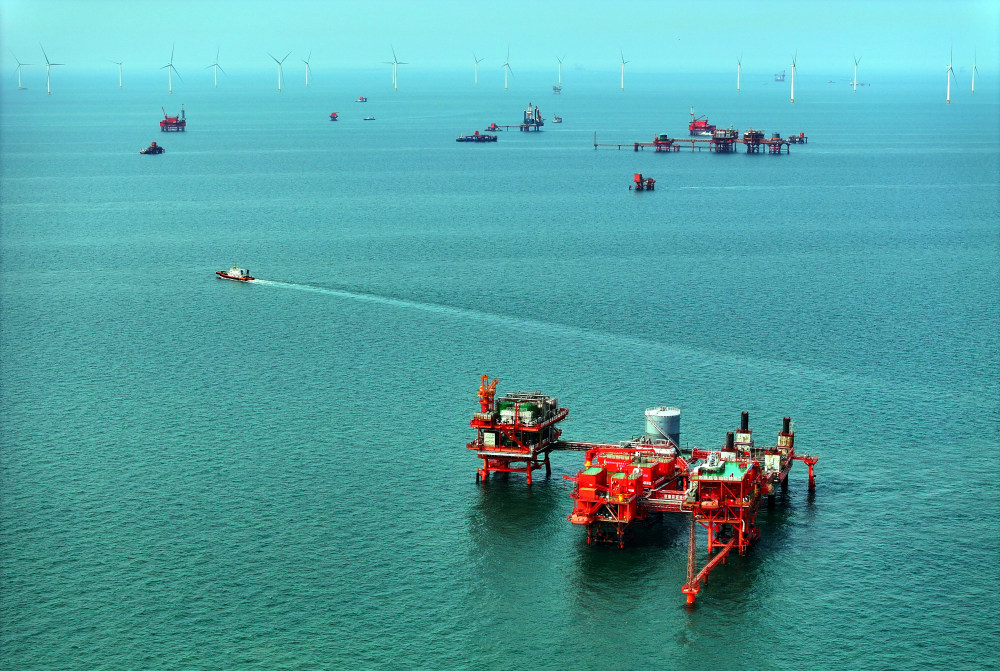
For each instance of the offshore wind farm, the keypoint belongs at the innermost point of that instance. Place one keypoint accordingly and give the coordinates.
(279, 470)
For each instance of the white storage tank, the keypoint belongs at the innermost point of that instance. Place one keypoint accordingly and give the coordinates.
(664, 422)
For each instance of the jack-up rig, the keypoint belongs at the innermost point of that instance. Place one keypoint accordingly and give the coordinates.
(627, 483)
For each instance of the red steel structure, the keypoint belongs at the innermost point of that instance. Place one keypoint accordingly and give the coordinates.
(173, 123)
(630, 482)
(515, 433)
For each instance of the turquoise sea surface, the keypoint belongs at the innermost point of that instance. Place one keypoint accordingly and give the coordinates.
(202, 474)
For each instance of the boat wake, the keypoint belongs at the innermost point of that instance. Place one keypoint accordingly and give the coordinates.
(697, 359)
(413, 305)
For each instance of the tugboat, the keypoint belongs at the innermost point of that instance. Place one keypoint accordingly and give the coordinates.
(152, 149)
(493, 128)
(700, 125)
(173, 123)
(369, 118)
(361, 99)
(333, 116)
(556, 118)
(235, 273)
(476, 137)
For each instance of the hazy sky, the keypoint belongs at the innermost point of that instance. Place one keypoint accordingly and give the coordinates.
(434, 34)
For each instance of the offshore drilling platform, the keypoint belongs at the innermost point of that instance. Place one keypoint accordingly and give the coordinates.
(628, 483)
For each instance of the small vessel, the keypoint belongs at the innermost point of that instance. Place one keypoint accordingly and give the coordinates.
(493, 128)
(173, 123)
(152, 149)
(476, 137)
(369, 118)
(700, 125)
(556, 118)
(333, 116)
(235, 273)
(361, 99)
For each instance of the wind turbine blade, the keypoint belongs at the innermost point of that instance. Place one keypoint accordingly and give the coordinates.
(286, 56)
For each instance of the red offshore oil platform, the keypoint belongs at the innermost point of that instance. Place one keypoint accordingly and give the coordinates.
(641, 183)
(700, 125)
(173, 123)
(639, 480)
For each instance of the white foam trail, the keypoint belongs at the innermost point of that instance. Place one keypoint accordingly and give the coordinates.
(426, 307)
(704, 360)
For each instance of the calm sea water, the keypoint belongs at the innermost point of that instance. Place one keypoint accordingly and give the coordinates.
(197, 474)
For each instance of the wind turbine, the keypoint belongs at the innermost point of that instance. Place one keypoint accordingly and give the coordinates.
(216, 67)
(739, 66)
(395, 65)
(478, 61)
(171, 69)
(279, 66)
(793, 76)
(506, 69)
(19, 66)
(974, 71)
(623, 69)
(949, 76)
(306, 61)
(48, 65)
(560, 70)
(119, 64)
(855, 83)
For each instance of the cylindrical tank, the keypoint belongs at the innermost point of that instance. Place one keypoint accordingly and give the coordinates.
(664, 422)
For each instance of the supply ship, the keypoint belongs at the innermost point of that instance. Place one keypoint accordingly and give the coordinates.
(235, 273)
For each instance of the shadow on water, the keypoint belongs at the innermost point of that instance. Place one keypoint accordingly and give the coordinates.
(656, 560)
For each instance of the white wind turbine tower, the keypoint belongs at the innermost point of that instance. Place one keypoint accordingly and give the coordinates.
(395, 68)
(506, 69)
(19, 66)
(949, 76)
(623, 69)
(793, 76)
(279, 66)
(171, 69)
(306, 61)
(974, 71)
(739, 66)
(478, 61)
(216, 67)
(855, 82)
(48, 65)
(119, 64)
(559, 81)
